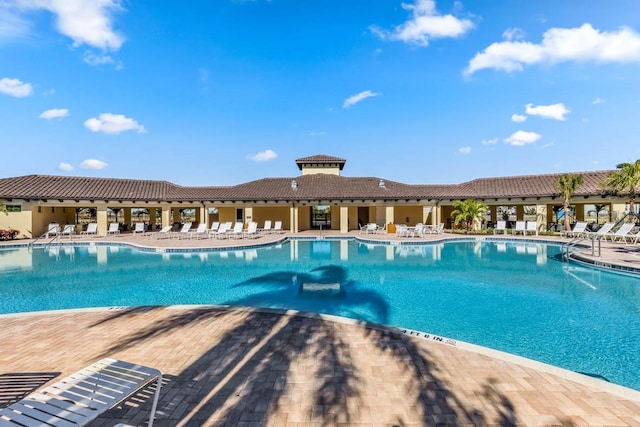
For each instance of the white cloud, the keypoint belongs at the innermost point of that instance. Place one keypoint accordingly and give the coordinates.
(353, 100)
(425, 24)
(93, 164)
(264, 156)
(113, 124)
(94, 60)
(514, 34)
(522, 137)
(555, 111)
(15, 87)
(598, 101)
(560, 45)
(65, 167)
(490, 141)
(86, 22)
(518, 118)
(12, 25)
(464, 150)
(54, 113)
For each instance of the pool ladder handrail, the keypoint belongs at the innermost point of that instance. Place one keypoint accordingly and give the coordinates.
(567, 247)
(56, 237)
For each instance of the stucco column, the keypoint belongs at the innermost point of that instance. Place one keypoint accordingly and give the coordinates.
(101, 218)
(541, 217)
(344, 219)
(438, 215)
(618, 210)
(389, 216)
(152, 218)
(204, 215)
(166, 216)
(293, 218)
(127, 217)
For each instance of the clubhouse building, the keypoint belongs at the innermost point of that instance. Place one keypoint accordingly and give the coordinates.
(317, 197)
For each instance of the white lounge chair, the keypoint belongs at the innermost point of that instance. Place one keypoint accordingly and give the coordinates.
(277, 227)
(621, 233)
(251, 231)
(201, 230)
(222, 231)
(68, 230)
(83, 396)
(634, 237)
(92, 229)
(602, 231)
(521, 227)
(184, 231)
(53, 229)
(579, 230)
(439, 228)
(500, 226)
(114, 228)
(165, 232)
(238, 230)
(267, 227)
(214, 228)
(371, 228)
(139, 228)
(532, 227)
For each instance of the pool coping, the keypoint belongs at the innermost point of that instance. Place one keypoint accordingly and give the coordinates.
(566, 374)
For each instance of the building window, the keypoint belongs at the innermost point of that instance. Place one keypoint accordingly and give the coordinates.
(13, 208)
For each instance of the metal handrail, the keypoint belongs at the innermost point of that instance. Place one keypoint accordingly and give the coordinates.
(566, 248)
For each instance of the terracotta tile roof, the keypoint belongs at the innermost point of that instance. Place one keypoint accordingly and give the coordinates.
(527, 186)
(308, 187)
(320, 159)
(80, 188)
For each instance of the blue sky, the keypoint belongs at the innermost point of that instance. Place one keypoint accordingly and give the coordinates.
(227, 91)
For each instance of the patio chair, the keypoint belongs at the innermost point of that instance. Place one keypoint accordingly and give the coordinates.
(53, 229)
(521, 227)
(139, 228)
(165, 232)
(439, 228)
(184, 231)
(222, 231)
(238, 230)
(277, 227)
(92, 229)
(267, 227)
(214, 228)
(114, 228)
(251, 231)
(371, 228)
(579, 230)
(621, 233)
(500, 226)
(68, 230)
(532, 226)
(635, 237)
(605, 229)
(201, 230)
(83, 396)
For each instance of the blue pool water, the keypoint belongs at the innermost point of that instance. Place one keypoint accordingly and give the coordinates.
(515, 297)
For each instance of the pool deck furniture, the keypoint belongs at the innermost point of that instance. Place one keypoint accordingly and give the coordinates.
(579, 230)
(81, 397)
(532, 227)
(68, 230)
(621, 233)
(602, 231)
(521, 227)
(501, 226)
(114, 228)
(92, 230)
(138, 228)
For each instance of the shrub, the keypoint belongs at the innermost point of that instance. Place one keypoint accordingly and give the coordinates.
(9, 234)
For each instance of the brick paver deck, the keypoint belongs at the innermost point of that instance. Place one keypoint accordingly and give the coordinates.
(254, 368)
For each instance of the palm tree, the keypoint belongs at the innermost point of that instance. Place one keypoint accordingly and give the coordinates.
(568, 184)
(468, 212)
(625, 181)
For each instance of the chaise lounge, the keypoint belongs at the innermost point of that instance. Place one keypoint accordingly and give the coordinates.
(83, 396)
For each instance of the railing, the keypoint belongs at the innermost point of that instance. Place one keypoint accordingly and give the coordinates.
(568, 247)
(56, 237)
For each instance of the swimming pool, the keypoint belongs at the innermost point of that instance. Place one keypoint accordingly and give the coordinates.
(512, 296)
